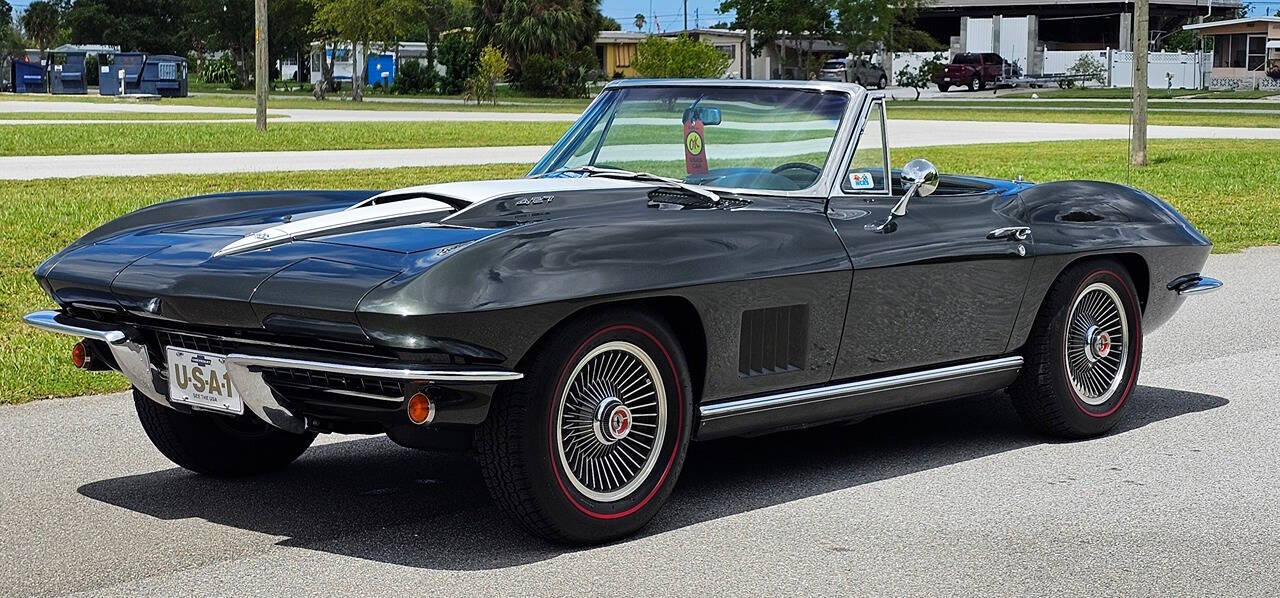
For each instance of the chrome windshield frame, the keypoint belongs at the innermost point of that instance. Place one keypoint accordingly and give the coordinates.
(822, 188)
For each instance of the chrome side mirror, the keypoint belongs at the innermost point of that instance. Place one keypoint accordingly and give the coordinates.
(921, 178)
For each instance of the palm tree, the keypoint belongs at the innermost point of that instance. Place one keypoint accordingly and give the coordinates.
(40, 22)
(639, 21)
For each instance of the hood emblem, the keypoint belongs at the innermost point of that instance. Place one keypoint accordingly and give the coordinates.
(534, 200)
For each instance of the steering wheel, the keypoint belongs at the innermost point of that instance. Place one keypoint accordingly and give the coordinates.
(799, 166)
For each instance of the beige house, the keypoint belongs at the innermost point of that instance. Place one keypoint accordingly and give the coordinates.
(1244, 50)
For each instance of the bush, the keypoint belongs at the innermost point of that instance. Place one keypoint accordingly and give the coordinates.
(1088, 67)
(921, 76)
(566, 77)
(219, 70)
(483, 84)
(460, 57)
(659, 57)
(414, 78)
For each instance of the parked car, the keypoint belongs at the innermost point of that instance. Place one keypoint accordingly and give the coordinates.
(975, 71)
(854, 70)
(680, 266)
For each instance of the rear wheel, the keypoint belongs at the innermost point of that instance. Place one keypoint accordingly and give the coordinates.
(219, 445)
(973, 84)
(588, 446)
(1084, 353)
(943, 87)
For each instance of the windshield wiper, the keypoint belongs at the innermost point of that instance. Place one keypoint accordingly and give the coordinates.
(617, 173)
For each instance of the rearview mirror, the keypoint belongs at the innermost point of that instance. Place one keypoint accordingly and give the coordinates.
(707, 115)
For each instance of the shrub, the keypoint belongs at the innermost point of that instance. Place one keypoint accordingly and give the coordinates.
(219, 70)
(483, 84)
(413, 78)
(1088, 67)
(558, 77)
(460, 57)
(921, 76)
(681, 57)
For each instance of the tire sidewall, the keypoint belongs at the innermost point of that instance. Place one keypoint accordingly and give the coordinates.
(578, 517)
(1080, 415)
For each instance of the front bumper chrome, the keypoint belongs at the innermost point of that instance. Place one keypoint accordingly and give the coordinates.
(245, 370)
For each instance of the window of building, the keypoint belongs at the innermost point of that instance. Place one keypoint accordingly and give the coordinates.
(729, 50)
(1257, 52)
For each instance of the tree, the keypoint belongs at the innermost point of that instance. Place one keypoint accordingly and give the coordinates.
(41, 22)
(639, 22)
(523, 28)
(870, 25)
(682, 57)
(921, 76)
(460, 55)
(797, 23)
(154, 26)
(6, 14)
(361, 23)
(483, 85)
(608, 24)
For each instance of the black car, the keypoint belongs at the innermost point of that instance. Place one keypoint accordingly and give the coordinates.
(693, 259)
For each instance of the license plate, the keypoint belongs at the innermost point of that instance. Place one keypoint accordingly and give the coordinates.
(200, 379)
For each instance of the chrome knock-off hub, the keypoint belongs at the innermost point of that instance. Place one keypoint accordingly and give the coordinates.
(1098, 343)
(612, 422)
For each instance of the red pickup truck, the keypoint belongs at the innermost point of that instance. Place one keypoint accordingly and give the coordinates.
(975, 71)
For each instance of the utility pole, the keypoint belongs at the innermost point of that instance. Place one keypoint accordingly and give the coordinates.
(1138, 134)
(261, 71)
(686, 15)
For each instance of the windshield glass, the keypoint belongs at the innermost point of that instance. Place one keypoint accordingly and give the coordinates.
(768, 139)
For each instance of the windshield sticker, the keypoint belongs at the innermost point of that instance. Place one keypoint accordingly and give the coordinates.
(695, 156)
(861, 180)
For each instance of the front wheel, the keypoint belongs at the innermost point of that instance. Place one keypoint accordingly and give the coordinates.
(1084, 352)
(943, 87)
(588, 446)
(219, 445)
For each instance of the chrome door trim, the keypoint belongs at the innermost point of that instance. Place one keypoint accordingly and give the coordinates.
(852, 389)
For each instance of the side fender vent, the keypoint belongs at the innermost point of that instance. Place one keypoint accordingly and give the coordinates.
(773, 340)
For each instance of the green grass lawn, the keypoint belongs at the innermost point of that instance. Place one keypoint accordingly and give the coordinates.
(110, 116)
(278, 101)
(37, 218)
(908, 111)
(159, 138)
(1127, 92)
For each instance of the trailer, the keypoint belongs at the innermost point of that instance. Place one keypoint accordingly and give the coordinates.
(1062, 80)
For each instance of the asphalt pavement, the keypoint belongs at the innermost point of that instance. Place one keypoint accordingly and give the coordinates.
(902, 134)
(952, 499)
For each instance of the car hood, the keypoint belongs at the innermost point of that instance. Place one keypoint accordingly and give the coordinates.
(264, 259)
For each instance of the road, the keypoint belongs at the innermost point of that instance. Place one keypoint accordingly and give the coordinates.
(950, 499)
(902, 134)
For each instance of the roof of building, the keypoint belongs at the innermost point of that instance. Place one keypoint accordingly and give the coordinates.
(1230, 22)
(706, 31)
(88, 48)
(619, 36)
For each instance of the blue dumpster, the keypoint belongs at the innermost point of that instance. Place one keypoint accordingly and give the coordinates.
(380, 64)
(67, 74)
(164, 75)
(109, 74)
(28, 77)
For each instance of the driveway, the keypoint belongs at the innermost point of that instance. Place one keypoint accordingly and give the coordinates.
(955, 498)
(902, 133)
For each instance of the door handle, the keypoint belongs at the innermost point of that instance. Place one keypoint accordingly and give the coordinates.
(1010, 233)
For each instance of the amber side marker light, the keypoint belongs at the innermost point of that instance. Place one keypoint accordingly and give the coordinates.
(80, 355)
(420, 409)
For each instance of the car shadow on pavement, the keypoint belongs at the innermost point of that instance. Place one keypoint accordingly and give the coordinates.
(374, 500)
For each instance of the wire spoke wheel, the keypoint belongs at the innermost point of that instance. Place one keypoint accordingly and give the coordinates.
(1096, 343)
(611, 422)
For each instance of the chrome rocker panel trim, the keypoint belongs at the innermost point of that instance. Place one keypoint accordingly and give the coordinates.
(244, 370)
(870, 396)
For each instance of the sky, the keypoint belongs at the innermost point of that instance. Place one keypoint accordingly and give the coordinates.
(670, 13)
